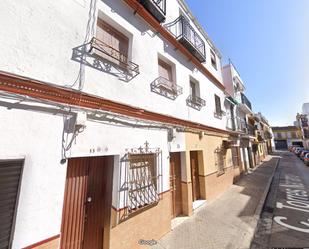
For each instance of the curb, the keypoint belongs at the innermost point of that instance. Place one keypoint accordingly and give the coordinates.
(259, 208)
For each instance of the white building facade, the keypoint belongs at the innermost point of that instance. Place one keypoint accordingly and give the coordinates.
(112, 121)
(112, 90)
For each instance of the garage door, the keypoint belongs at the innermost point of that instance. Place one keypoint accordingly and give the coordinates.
(281, 144)
(10, 178)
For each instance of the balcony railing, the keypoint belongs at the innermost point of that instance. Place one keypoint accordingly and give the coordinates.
(245, 101)
(219, 114)
(165, 88)
(187, 36)
(241, 125)
(251, 130)
(105, 51)
(157, 8)
(230, 124)
(195, 102)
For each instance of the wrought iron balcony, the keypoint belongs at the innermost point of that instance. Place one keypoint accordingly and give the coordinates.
(251, 130)
(157, 8)
(241, 125)
(195, 102)
(165, 88)
(187, 36)
(245, 101)
(219, 114)
(105, 52)
(230, 124)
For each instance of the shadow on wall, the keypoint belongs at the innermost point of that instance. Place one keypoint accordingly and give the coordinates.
(179, 57)
(69, 132)
(83, 54)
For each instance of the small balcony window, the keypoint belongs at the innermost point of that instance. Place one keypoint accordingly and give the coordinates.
(108, 51)
(213, 59)
(165, 84)
(193, 99)
(218, 111)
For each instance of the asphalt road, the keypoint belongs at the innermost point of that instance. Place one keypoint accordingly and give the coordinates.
(284, 221)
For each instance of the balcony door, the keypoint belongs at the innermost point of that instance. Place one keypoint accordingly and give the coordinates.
(166, 72)
(115, 44)
(193, 91)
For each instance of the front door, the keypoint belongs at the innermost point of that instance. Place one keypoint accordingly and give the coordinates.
(195, 175)
(87, 202)
(175, 184)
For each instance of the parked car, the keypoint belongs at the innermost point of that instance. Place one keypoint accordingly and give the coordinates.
(306, 159)
(294, 148)
(298, 150)
(303, 154)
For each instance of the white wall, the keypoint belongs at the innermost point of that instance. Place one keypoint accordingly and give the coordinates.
(37, 38)
(37, 138)
(43, 49)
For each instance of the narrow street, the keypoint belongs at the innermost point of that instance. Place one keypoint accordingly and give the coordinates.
(230, 220)
(284, 221)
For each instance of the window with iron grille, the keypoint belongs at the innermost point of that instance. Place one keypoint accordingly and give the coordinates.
(140, 172)
(220, 160)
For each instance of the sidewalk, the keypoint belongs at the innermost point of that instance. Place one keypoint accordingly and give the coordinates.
(230, 220)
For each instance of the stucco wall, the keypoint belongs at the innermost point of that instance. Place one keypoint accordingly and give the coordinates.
(37, 138)
(43, 49)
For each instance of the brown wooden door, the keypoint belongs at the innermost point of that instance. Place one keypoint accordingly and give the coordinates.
(175, 184)
(194, 175)
(87, 202)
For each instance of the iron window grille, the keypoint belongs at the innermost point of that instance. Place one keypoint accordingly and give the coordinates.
(98, 47)
(141, 172)
(182, 30)
(195, 102)
(220, 160)
(165, 88)
(235, 157)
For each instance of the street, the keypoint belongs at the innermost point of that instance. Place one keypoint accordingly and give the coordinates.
(284, 220)
(230, 220)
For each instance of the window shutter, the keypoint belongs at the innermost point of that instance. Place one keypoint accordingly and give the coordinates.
(117, 44)
(165, 70)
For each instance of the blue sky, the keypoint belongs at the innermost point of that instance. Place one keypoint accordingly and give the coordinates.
(268, 41)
